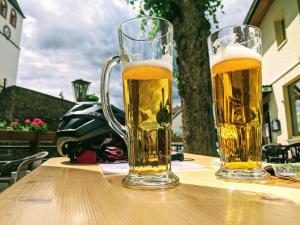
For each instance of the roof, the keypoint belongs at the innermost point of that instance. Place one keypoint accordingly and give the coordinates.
(257, 12)
(176, 111)
(16, 6)
(26, 90)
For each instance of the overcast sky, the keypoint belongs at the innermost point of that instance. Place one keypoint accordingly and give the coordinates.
(66, 40)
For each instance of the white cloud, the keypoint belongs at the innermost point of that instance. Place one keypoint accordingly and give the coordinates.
(51, 6)
(29, 28)
(66, 40)
(235, 12)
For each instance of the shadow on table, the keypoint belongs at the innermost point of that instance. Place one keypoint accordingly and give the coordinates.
(68, 163)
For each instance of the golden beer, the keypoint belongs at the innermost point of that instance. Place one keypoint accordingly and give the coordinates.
(146, 56)
(237, 96)
(147, 90)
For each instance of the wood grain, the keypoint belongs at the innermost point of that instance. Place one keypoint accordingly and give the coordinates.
(66, 194)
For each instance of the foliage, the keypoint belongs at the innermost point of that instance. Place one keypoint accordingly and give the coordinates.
(170, 9)
(37, 125)
(175, 134)
(190, 19)
(91, 98)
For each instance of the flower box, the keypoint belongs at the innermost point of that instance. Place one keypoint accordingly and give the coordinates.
(12, 135)
(33, 138)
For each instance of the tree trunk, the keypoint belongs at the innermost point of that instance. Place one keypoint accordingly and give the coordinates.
(194, 81)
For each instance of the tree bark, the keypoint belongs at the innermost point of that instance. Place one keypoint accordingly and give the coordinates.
(194, 81)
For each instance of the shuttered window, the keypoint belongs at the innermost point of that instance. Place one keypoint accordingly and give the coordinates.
(3, 8)
(13, 17)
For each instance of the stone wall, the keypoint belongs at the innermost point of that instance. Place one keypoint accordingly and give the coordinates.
(22, 103)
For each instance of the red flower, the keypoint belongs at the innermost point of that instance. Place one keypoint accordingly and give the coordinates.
(27, 121)
(37, 122)
(16, 120)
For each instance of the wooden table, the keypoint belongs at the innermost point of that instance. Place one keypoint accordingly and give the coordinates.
(59, 193)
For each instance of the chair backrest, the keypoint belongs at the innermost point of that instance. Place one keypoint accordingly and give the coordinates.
(270, 149)
(39, 159)
(37, 155)
(275, 151)
(11, 166)
(295, 151)
(27, 165)
(41, 155)
(23, 168)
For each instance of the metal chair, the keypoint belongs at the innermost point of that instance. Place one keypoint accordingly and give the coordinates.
(275, 153)
(40, 156)
(21, 172)
(30, 163)
(294, 149)
(24, 167)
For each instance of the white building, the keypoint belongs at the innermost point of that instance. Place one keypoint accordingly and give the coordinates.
(279, 21)
(11, 21)
(177, 121)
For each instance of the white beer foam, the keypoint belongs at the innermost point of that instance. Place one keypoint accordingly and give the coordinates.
(165, 62)
(233, 52)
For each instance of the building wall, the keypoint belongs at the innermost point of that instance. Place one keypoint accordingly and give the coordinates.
(177, 124)
(10, 48)
(9, 59)
(22, 103)
(281, 65)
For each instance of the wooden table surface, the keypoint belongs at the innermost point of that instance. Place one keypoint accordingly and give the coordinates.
(60, 193)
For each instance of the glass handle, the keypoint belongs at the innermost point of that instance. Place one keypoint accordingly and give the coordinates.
(106, 106)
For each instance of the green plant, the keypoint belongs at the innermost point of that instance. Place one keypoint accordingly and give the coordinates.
(174, 134)
(92, 97)
(37, 125)
(3, 125)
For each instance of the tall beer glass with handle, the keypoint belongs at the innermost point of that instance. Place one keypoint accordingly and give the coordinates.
(235, 61)
(146, 58)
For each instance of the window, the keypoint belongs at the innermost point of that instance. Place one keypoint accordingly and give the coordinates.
(3, 8)
(294, 98)
(280, 31)
(13, 17)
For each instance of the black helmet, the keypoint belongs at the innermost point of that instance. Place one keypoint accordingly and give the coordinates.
(84, 127)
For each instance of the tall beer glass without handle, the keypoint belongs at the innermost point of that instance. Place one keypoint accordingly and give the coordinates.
(235, 61)
(146, 58)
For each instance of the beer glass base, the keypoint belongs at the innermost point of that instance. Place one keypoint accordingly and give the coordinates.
(150, 181)
(255, 175)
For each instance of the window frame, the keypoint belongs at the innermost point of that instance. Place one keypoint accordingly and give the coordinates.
(16, 17)
(280, 30)
(295, 122)
(5, 4)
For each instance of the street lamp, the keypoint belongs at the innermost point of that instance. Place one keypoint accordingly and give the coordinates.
(80, 89)
(2, 85)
